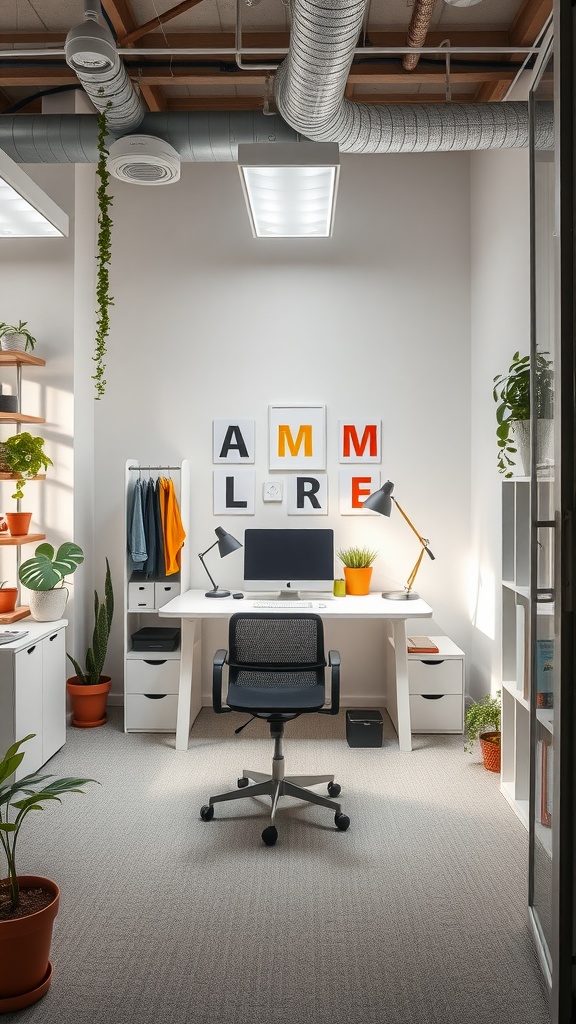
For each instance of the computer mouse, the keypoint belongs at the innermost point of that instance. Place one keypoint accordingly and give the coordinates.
(237, 596)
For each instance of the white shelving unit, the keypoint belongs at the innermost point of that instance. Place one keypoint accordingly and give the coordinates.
(518, 689)
(151, 679)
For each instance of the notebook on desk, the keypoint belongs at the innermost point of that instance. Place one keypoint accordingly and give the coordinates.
(421, 645)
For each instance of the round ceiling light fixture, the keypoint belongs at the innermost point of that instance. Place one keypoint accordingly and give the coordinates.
(144, 160)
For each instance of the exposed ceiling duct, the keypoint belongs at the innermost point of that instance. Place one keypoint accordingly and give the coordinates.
(309, 93)
(418, 30)
(91, 53)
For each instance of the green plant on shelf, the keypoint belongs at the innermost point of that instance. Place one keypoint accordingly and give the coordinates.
(23, 454)
(47, 569)
(511, 392)
(20, 328)
(482, 716)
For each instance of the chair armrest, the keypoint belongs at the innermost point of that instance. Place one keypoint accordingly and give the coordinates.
(218, 663)
(334, 663)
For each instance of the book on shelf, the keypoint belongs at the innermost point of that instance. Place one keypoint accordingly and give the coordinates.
(421, 645)
(545, 673)
(522, 654)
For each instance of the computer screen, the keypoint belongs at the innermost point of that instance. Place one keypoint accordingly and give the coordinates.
(289, 560)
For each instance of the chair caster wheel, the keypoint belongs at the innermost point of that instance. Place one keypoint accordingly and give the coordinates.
(334, 789)
(342, 822)
(243, 782)
(270, 835)
(207, 812)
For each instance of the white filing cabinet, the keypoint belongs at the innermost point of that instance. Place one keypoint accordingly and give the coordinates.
(436, 683)
(33, 692)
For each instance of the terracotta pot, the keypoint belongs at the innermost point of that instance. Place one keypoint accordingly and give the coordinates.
(88, 702)
(18, 523)
(48, 605)
(490, 747)
(25, 968)
(8, 598)
(358, 581)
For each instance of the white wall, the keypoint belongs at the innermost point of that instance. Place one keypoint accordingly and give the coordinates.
(500, 275)
(209, 322)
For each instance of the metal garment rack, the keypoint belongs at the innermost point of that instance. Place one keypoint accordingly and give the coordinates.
(138, 469)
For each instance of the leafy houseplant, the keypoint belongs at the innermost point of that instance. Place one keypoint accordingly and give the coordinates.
(28, 903)
(9, 341)
(23, 454)
(511, 392)
(103, 257)
(482, 721)
(88, 689)
(44, 576)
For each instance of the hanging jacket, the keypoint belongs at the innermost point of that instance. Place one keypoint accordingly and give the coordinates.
(174, 534)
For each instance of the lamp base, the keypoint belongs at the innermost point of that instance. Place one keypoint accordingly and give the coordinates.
(217, 593)
(400, 595)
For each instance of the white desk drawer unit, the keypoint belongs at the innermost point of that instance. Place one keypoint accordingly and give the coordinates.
(152, 675)
(436, 684)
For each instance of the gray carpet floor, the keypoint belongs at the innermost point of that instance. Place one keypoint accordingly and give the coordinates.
(417, 913)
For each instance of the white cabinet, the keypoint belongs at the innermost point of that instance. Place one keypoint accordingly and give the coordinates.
(436, 685)
(33, 693)
(152, 678)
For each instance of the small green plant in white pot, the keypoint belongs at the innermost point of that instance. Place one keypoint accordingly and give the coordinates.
(44, 576)
(16, 338)
(23, 455)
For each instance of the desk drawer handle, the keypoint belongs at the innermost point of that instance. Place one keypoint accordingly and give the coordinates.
(432, 696)
(148, 662)
(31, 649)
(53, 637)
(428, 661)
(154, 696)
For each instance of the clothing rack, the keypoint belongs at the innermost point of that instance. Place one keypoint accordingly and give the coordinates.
(138, 468)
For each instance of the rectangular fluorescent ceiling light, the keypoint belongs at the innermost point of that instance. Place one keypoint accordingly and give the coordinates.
(290, 187)
(25, 209)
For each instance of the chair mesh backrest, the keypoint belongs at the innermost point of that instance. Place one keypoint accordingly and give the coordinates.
(276, 641)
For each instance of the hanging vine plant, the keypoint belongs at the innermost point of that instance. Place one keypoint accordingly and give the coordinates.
(104, 253)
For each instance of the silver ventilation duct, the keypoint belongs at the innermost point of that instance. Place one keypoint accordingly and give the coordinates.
(91, 53)
(309, 93)
(198, 137)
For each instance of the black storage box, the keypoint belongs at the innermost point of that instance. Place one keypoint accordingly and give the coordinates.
(363, 728)
(156, 638)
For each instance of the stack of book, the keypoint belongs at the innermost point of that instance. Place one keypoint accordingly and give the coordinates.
(421, 645)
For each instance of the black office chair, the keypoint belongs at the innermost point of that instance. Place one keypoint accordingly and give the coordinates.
(276, 671)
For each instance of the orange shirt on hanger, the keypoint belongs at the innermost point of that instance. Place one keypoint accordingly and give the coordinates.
(172, 529)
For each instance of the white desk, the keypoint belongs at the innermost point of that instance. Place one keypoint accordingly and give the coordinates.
(192, 606)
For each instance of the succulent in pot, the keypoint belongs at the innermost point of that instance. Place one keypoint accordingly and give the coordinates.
(28, 903)
(23, 455)
(16, 337)
(44, 575)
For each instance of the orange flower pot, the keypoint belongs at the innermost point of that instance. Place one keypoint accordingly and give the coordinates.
(88, 702)
(358, 581)
(8, 598)
(490, 747)
(25, 968)
(18, 523)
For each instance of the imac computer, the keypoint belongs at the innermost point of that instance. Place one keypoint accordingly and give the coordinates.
(289, 561)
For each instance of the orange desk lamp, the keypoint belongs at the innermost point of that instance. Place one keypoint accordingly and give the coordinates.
(381, 501)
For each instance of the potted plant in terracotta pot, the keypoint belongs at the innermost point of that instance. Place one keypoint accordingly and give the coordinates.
(16, 338)
(22, 456)
(28, 903)
(8, 598)
(88, 689)
(483, 723)
(44, 574)
(357, 564)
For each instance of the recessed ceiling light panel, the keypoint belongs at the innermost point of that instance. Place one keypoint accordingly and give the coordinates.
(25, 209)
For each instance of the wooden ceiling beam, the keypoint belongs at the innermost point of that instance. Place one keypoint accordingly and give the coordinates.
(529, 22)
(160, 19)
(492, 92)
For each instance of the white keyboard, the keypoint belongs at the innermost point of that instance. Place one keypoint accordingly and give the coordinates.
(288, 606)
